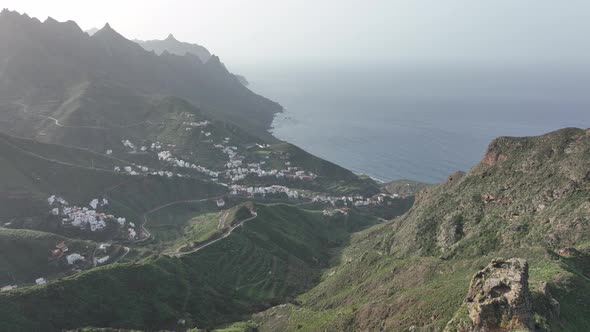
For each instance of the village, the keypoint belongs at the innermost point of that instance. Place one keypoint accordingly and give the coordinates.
(88, 218)
(235, 170)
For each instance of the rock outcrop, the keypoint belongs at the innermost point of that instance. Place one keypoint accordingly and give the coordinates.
(498, 299)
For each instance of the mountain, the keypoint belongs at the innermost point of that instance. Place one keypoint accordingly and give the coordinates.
(527, 198)
(173, 46)
(52, 63)
(143, 191)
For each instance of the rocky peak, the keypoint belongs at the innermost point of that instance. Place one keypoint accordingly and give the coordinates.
(14, 16)
(494, 152)
(498, 299)
(7, 12)
(107, 31)
(50, 20)
(170, 37)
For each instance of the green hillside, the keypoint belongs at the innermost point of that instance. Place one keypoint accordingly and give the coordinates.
(31, 172)
(25, 255)
(528, 198)
(271, 259)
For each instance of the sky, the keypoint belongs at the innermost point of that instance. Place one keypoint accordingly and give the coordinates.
(347, 31)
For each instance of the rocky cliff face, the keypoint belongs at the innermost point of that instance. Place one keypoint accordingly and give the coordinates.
(498, 299)
(529, 197)
(529, 190)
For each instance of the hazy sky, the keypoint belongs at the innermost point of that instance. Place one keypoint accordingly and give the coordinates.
(347, 31)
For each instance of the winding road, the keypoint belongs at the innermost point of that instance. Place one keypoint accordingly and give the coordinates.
(145, 231)
(206, 244)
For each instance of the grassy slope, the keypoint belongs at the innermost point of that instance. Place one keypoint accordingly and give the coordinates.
(28, 179)
(274, 257)
(416, 270)
(99, 115)
(405, 187)
(24, 255)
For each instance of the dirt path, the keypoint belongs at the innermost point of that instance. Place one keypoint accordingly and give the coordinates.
(206, 244)
(57, 123)
(145, 215)
(55, 160)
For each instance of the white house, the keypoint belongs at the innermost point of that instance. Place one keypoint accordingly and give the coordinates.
(73, 258)
(40, 281)
(220, 202)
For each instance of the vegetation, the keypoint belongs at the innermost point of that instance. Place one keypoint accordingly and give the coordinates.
(268, 261)
(528, 198)
(25, 255)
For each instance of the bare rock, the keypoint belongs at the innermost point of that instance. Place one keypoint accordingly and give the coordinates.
(498, 299)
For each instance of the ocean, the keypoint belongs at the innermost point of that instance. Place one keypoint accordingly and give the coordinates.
(419, 123)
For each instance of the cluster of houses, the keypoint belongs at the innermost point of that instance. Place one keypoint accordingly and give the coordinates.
(356, 201)
(155, 146)
(235, 168)
(197, 124)
(237, 171)
(248, 191)
(139, 170)
(84, 218)
(167, 157)
(60, 252)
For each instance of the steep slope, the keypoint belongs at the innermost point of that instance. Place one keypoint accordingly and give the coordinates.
(171, 45)
(31, 172)
(528, 198)
(62, 86)
(25, 253)
(267, 261)
(174, 46)
(44, 62)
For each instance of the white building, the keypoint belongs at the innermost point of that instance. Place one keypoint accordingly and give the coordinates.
(73, 258)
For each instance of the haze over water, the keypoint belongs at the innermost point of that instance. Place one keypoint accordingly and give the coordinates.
(419, 123)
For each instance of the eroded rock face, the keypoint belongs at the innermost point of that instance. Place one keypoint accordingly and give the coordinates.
(498, 299)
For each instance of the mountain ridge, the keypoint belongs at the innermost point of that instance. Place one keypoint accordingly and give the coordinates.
(108, 55)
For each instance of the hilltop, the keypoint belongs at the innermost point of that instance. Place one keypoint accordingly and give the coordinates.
(527, 198)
